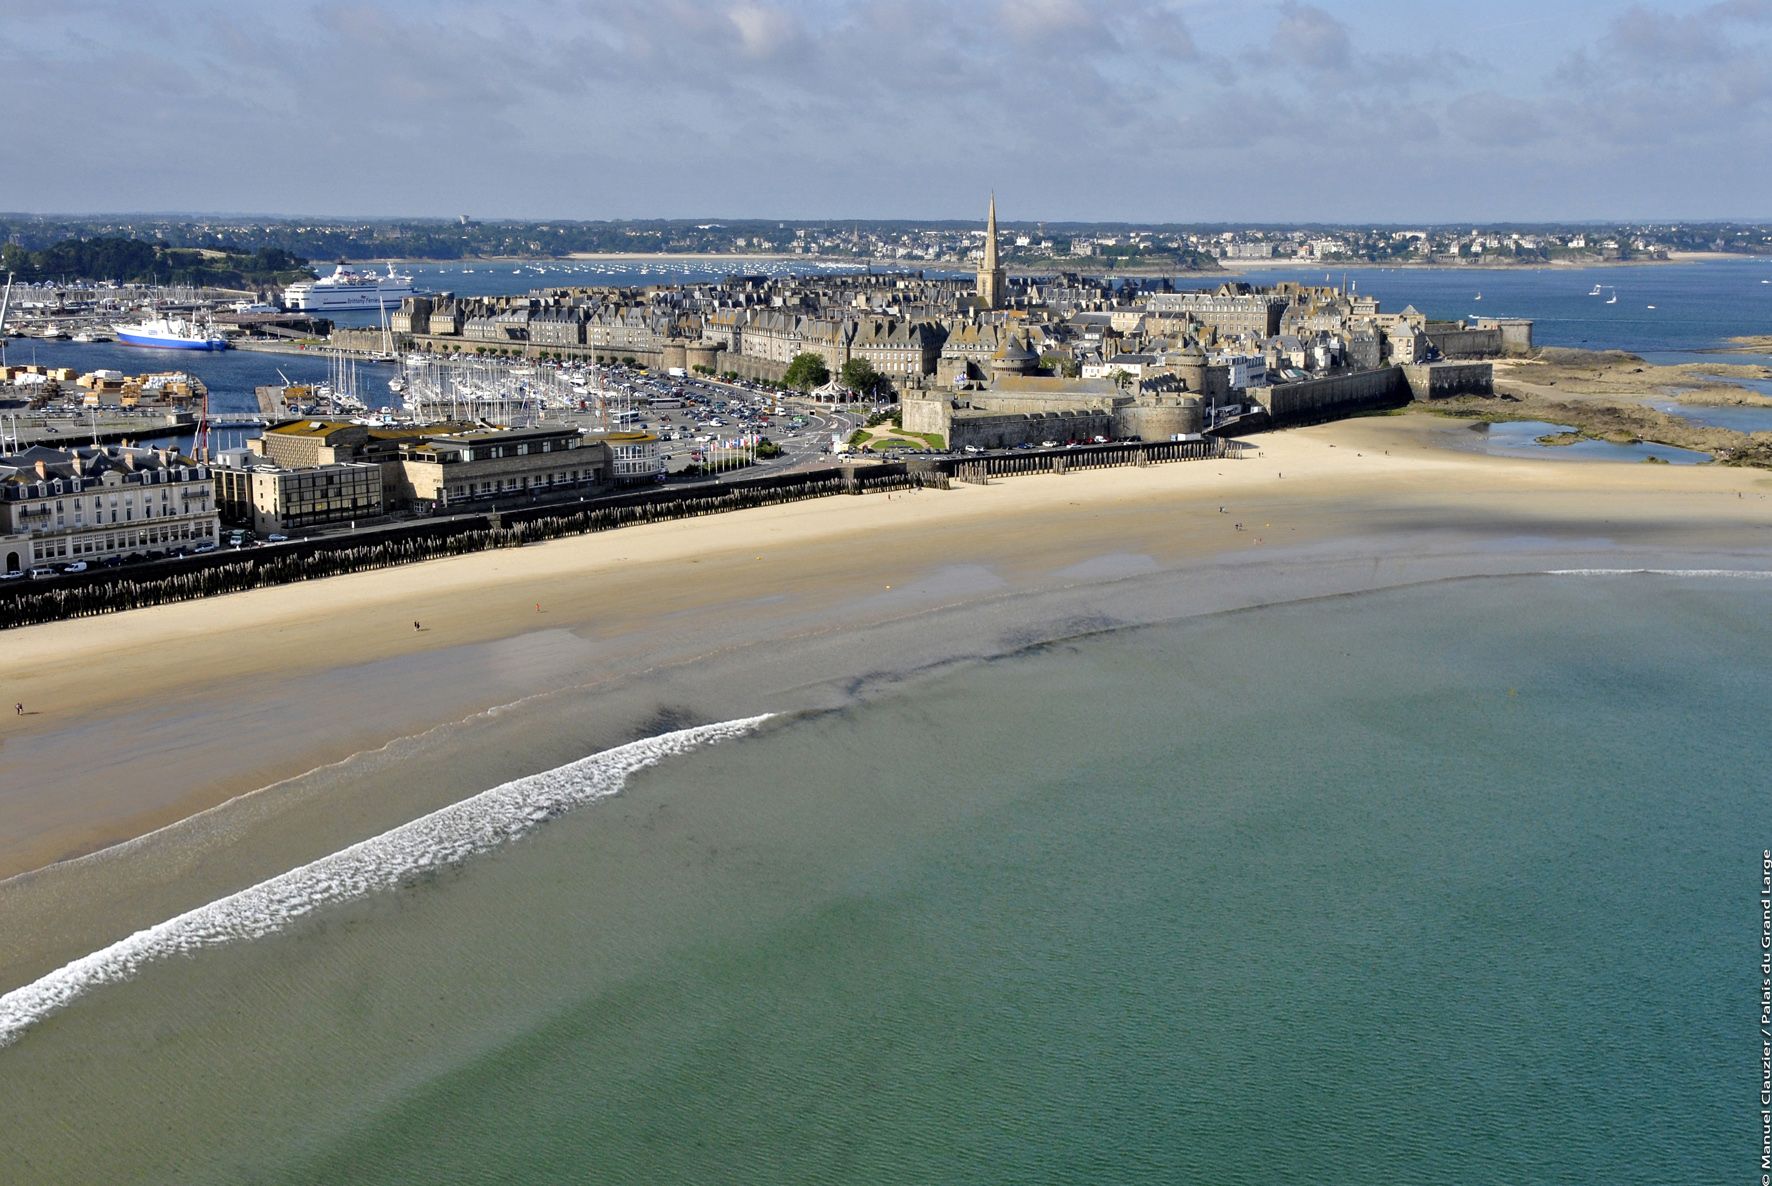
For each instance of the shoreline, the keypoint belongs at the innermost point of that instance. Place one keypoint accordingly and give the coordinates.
(353, 723)
(1673, 257)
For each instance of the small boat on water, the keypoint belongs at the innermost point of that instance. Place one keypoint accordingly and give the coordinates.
(52, 331)
(1478, 297)
(1596, 291)
(1612, 300)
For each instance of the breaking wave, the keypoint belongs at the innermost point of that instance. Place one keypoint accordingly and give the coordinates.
(444, 837)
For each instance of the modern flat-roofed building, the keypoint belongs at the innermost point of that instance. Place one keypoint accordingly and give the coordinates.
(634, 457)
(254, 492)
(496, 464)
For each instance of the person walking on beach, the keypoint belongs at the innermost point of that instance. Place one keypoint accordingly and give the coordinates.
(19, 708)
(416, 627)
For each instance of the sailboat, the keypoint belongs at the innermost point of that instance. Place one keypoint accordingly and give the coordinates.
(1478, 297)
(1596, 291)
(1613, 299)
(386, 353)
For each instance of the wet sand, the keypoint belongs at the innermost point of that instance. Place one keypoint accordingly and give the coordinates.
(152, 732)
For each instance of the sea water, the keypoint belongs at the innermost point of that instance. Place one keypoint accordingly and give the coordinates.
(1451, 883)
(1522, 438)
(1697, 306)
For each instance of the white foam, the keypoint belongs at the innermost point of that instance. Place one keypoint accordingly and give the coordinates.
(448, 835)
(1741, 573)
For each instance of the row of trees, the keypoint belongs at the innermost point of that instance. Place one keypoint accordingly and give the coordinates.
(808, 370)
(136, 261)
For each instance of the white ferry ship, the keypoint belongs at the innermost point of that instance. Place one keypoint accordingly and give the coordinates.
(345, 289)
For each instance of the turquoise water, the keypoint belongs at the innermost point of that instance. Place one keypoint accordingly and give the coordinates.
(1423, 885)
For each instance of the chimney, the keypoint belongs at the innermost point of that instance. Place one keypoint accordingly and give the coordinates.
(42, 469)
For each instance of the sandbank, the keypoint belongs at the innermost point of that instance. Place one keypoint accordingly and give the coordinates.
(205, 746)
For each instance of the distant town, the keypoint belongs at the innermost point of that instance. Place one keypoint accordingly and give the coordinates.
(1037, 245)
(568, 393)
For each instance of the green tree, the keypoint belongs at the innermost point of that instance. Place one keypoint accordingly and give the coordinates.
(1060, 364)
(807, 371)
(859, 375)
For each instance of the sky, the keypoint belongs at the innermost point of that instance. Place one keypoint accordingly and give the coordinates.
(1393, 111)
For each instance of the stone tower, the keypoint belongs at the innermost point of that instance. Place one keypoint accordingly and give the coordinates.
(990, 273)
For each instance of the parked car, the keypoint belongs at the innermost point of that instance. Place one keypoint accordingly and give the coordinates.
(276, 537)
(77, 566)
(12, 574)
(207, 545)
(40, 573)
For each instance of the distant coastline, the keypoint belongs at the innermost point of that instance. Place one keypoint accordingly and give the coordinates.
(1551, 265)
(1082, 264)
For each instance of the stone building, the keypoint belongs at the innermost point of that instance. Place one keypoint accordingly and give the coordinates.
(97, 501)
(1233, 308)
(990, 273)
(557, 325)
(904, 351)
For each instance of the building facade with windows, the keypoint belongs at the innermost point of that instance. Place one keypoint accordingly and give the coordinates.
(501, 464)
(634, 457)
(254, 492)
(90, 503)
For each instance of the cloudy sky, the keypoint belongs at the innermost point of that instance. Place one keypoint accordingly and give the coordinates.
(1170, 110)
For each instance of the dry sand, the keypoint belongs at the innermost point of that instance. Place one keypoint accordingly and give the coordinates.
(143, 719)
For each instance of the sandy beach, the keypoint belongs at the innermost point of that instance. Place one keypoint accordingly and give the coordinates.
(195, 749)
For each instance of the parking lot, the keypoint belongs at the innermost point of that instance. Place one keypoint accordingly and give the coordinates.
(694, 417)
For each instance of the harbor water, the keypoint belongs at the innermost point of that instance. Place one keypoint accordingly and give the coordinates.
(1413, 886)
(1699, 306)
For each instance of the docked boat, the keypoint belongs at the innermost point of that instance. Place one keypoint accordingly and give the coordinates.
(52, 331)
(170, 333)
(345, 289)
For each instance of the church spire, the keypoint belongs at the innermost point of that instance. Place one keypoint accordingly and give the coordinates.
(990, 234)
(990, 272)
